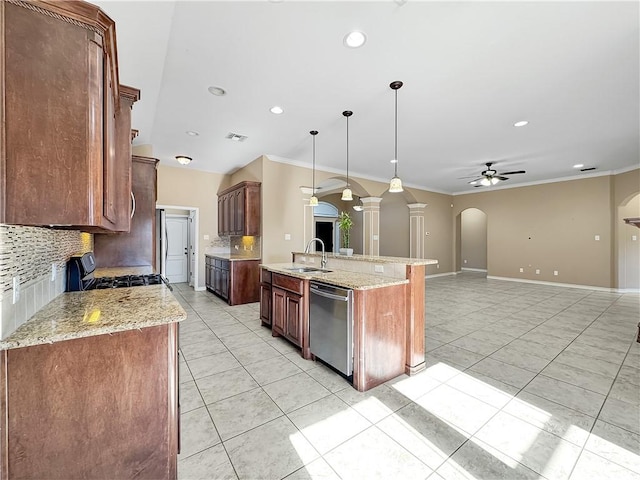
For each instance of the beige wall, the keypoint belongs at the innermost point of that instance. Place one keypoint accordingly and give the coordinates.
(192, 188)
(549, 227)
(394, 226)
(473, 244)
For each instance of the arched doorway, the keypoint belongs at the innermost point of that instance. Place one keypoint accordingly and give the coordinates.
(471, 241)
(324, 219)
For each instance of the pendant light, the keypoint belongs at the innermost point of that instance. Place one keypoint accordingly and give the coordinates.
(313, 201)
(395, 185)
(347, 196)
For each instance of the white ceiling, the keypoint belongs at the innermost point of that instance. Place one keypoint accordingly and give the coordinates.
(470, 70)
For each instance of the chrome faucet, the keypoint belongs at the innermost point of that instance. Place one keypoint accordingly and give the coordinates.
(323, 262)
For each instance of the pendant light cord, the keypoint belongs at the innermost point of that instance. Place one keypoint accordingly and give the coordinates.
(395, 170)
(314, 166)
(347, 152)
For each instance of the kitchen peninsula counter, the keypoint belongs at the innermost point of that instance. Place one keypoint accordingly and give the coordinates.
(230, 257)
(372, 258)
(97, 312)
(339, 278)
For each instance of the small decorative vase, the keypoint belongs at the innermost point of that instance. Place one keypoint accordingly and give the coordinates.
(346, 251)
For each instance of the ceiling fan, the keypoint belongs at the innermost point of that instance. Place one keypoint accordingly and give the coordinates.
(490, 176)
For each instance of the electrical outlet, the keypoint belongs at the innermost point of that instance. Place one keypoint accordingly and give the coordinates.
(53, 272)
(438, 266)
(287, 236)
(521, 270)
(378, 269)
(634, 237)
(16, 289)
(537, 271)
(597, 238)
(465, 261)
(206, 237)
(555, 273)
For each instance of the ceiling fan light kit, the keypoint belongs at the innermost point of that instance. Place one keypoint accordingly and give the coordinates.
(347, 195)
(183, 159)
(395, 185)
(491, 177)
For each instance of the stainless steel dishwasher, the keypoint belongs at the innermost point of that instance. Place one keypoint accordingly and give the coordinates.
(331, 326)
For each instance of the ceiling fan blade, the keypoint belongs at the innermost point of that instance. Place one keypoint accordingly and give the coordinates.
(513, 173)
(500, 177)
(475, 180)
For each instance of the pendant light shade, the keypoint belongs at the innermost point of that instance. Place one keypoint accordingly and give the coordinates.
(347, 196)
(395, 185)
(313, 201)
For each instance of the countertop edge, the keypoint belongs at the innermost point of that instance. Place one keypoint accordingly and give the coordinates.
(229, 258)
(378, 281)
(373, 259)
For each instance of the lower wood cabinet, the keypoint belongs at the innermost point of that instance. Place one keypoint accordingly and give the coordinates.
(265, 297)
(236, 281)
(104, 406)
(290, 310)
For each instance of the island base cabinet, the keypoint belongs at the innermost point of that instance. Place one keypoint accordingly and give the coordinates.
(104, 406)
(379, 335)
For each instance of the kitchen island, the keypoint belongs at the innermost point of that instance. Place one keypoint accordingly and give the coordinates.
(411, 269)
(379, 336)
(89, 387)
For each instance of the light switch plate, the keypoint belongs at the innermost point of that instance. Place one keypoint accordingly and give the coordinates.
(521, 270)
(537, 271)
(287, 236)
(634, 237)
(555, 273)
(597, 237)
(206, 237)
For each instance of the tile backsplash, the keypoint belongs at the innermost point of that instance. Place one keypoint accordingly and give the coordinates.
(29, 253)
(244, 247)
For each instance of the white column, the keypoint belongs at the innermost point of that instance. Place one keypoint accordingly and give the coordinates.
(416, 229)
(371, 225)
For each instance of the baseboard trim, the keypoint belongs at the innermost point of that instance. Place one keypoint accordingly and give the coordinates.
(555, 284)
(446, 274)
(628, 290)
(465, 269)
(200, 289)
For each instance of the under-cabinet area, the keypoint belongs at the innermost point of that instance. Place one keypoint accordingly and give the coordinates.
(376, 338)
(235, 280)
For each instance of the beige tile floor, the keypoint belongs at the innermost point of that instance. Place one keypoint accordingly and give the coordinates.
(523, 381)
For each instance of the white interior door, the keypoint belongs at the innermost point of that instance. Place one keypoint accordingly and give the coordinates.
(192, 247)
(177, 244)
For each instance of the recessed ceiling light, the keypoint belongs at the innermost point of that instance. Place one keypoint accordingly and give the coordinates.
(521, 123)
(192, 133)
(354, 39)
(578, 165)
(276, 110)
(183, 159)
(217, 91)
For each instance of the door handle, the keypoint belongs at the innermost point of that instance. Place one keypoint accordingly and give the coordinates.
(133, 204)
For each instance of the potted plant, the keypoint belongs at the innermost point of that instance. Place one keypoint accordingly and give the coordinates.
(345, 223)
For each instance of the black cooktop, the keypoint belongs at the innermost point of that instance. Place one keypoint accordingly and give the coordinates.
(128, 281)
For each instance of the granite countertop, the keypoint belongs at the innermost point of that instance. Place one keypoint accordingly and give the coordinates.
(120, 271)
(339, 278)
(374, 258)
(97, 312)
(230, 257)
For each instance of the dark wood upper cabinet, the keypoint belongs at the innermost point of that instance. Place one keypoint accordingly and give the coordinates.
(65, 122)
(137, 247)
(239, 210)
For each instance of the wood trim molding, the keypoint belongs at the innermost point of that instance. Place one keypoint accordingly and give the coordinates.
(141, 159)
(237, 186)
(3, 123)
(130, 93)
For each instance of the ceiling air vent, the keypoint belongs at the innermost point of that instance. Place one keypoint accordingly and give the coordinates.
(588, 169)
(236, 137)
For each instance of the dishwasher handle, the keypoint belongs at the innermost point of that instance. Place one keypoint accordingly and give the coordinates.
(317, 291)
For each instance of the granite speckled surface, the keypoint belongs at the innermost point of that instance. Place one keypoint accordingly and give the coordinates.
(339, 278)
(374, 258)
(228, 256)
(97, 312)
(120, 271)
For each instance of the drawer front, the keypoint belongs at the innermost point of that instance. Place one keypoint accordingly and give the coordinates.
(265, 276)
(288, 283)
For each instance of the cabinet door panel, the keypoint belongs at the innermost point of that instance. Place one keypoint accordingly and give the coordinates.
(224, 284)
(278, 300)
(239, 211)
(265, 304)
(110, 163)
(293, 318)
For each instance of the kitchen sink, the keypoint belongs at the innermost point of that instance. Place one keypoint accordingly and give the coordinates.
(307, 270)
